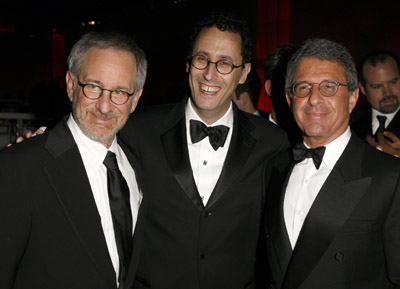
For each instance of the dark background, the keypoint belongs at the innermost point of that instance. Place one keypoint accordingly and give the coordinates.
(28, 54)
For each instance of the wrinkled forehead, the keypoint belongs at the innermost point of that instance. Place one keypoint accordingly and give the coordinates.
(313, 69)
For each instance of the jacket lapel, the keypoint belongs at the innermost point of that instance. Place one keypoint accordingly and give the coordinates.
(241, 145)
(68, 178)
(174, 142)
(133, 159)
(276, 230)
(336, 200)
(394, 125)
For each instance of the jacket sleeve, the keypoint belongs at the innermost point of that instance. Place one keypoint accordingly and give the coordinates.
(14, 221)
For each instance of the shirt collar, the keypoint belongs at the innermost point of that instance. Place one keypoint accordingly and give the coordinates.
(226, 119)
(335, 149)
(389, 116)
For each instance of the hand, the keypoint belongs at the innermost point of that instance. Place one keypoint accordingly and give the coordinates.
(395, 141)
(29, 134)
(390, 145)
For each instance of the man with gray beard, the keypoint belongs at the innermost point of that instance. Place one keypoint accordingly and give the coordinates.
(70, 197)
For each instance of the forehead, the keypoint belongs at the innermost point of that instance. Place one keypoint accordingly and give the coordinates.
(381, 71)
(312, 69)
(109, 64)
(216, 43)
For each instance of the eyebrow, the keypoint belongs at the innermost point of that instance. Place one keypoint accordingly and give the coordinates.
(120, 87)
(219, 56)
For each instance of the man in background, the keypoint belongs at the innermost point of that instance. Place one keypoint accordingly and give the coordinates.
(379, 81)
(275, 66)
(246, 95)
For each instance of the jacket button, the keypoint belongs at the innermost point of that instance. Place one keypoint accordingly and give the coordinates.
(207, 214)
(339, 256)
(202, 256)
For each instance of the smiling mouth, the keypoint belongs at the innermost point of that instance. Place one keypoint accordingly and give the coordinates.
(209, 89)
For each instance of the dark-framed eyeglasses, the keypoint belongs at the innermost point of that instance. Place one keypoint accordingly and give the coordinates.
(223, 66)
(93, 92)
(326, 88)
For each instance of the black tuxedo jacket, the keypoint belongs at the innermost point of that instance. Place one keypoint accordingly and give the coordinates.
(362, 125)
(50, 230)
(185, 244)
(290, 126)
(351, 236)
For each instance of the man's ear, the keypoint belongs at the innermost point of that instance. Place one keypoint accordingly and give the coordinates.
(268, 86)
(69, 79)
(362, 88)
(245, 72)
(289, 101)
(353, 99)
(136, 98)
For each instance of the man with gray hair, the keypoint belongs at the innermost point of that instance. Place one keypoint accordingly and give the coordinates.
(69, 198)
(333, 206)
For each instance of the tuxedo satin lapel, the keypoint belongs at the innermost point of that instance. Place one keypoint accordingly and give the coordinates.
(137, 243)
(68, 178)
(240, 147)
(174, 142)
(133, 159)
(275, 218)
(368, 123)
(336, 200)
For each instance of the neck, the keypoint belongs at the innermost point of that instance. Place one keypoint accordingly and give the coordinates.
(209, 116)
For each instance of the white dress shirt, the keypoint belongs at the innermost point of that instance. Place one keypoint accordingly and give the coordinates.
(375, 121)
(305, 183)
(271, 119)
(205, 161)
(93, 155)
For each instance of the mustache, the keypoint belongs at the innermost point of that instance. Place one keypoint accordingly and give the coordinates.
(389, 97)
(316, 109)
(100, 114)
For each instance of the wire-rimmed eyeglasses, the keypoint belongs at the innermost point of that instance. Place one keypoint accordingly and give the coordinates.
(93, 92)
(326, 88)
(223, 66)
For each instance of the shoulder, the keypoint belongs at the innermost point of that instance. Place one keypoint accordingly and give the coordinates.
(148, 115)
(29, 147)
(379, 160)
(270, 139)
(23, 159)
(261, 127)
(359, 113)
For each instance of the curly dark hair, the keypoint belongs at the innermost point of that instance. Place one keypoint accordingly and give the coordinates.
(226, 21)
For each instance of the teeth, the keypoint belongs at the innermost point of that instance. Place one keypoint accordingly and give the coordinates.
(209, 89)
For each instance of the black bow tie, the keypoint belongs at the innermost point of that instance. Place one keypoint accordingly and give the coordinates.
(216, 134)
(300, 153)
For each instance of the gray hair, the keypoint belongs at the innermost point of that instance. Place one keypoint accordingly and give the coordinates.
(108, 40)
(323, 49)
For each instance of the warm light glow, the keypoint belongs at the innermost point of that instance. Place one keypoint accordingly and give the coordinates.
(91, 23)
